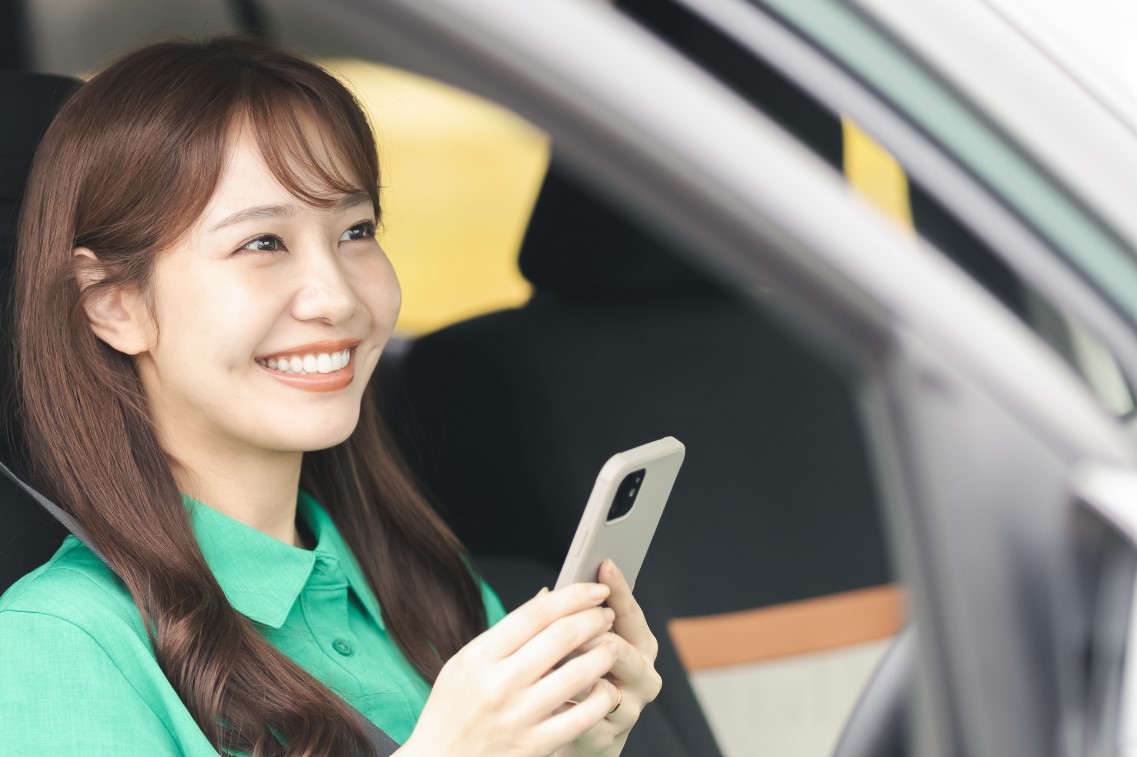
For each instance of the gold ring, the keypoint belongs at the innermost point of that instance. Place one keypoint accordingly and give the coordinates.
(619, 699)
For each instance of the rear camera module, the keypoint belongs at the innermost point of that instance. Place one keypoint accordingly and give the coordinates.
(626, 495)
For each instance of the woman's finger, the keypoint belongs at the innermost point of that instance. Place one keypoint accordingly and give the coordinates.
(556, 642)
(511, 632)
(578, 674)
(630, 668)
(630, 621)
(586, 719)
(627, 707)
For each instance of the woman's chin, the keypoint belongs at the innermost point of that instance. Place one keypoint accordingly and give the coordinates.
(325, 440)
(299, 438)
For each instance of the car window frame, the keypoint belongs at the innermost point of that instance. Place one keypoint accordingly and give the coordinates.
(1075, 231)
(820, 72)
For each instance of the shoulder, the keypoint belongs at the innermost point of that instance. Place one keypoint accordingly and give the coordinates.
(77, 587)
(69, 689)
(72, 611)
(79, 674)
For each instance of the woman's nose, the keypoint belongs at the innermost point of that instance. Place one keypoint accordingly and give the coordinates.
(324, 291)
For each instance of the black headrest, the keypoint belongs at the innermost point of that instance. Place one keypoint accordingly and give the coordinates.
(577, 246)
(30, 101)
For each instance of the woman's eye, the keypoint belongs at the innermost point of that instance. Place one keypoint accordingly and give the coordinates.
(365, 230)
(266, 243)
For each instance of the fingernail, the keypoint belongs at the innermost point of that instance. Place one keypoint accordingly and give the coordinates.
(613, 648)
(610, 614)
(544, 591)
(599, 591)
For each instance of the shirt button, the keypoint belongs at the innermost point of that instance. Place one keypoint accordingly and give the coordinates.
(342, 647)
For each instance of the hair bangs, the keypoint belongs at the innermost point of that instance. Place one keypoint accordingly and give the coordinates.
(318, 145)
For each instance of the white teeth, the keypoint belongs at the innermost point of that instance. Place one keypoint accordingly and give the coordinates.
(322, 362)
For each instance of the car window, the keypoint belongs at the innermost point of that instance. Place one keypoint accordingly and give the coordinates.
(780, 683)
(936, 390)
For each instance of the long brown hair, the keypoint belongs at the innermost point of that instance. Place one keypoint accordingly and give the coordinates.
(125, 170)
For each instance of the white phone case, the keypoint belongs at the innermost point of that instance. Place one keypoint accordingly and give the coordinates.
(625, 539)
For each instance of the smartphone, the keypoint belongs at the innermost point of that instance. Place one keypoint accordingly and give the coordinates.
(623, 511)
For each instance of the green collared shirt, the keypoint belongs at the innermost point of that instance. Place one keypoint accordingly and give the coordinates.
(78, 675)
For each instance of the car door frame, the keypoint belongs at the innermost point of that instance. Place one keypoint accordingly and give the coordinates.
(798, 49)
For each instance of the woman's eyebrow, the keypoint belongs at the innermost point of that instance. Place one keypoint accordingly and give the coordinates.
(254, 213)
(352, 200)
(257, 212)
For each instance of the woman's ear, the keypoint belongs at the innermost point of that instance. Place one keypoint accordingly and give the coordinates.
(118, 315)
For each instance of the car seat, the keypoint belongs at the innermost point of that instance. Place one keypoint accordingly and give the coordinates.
(508, 417)
(28, 535)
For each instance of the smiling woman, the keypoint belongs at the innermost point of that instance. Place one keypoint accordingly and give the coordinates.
(260, 275)
(201, 303)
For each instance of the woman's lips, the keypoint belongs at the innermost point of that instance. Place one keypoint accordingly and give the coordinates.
(312, 348)
(323, 371)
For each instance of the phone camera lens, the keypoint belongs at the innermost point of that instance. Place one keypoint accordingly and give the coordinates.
(626, 495)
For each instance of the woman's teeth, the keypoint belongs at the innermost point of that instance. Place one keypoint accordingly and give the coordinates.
(319, 362)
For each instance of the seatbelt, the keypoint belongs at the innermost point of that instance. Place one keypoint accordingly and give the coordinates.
(384, 744)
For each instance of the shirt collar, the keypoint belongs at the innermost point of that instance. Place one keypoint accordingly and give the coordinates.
(262, 577)
(329, 541)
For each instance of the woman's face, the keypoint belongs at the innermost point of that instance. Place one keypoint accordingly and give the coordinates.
(270, 318)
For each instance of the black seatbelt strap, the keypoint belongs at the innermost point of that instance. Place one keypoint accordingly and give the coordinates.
(384, 744)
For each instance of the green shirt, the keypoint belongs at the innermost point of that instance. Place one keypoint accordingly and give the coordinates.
(78, 675)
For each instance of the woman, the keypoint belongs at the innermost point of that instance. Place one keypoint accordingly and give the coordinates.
(200, 304)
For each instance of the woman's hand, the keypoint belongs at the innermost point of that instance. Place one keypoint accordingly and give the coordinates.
(503, 696)
(633, 672)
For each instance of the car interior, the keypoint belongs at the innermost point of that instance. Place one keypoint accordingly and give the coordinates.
(768, 581)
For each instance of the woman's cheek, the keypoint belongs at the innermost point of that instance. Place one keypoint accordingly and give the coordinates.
(383, 294)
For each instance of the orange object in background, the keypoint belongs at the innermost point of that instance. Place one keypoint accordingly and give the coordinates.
(794, 628)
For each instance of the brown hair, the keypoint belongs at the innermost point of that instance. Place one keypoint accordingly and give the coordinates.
(126, 169)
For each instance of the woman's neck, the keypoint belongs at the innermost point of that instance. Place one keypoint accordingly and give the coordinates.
(258, 490)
